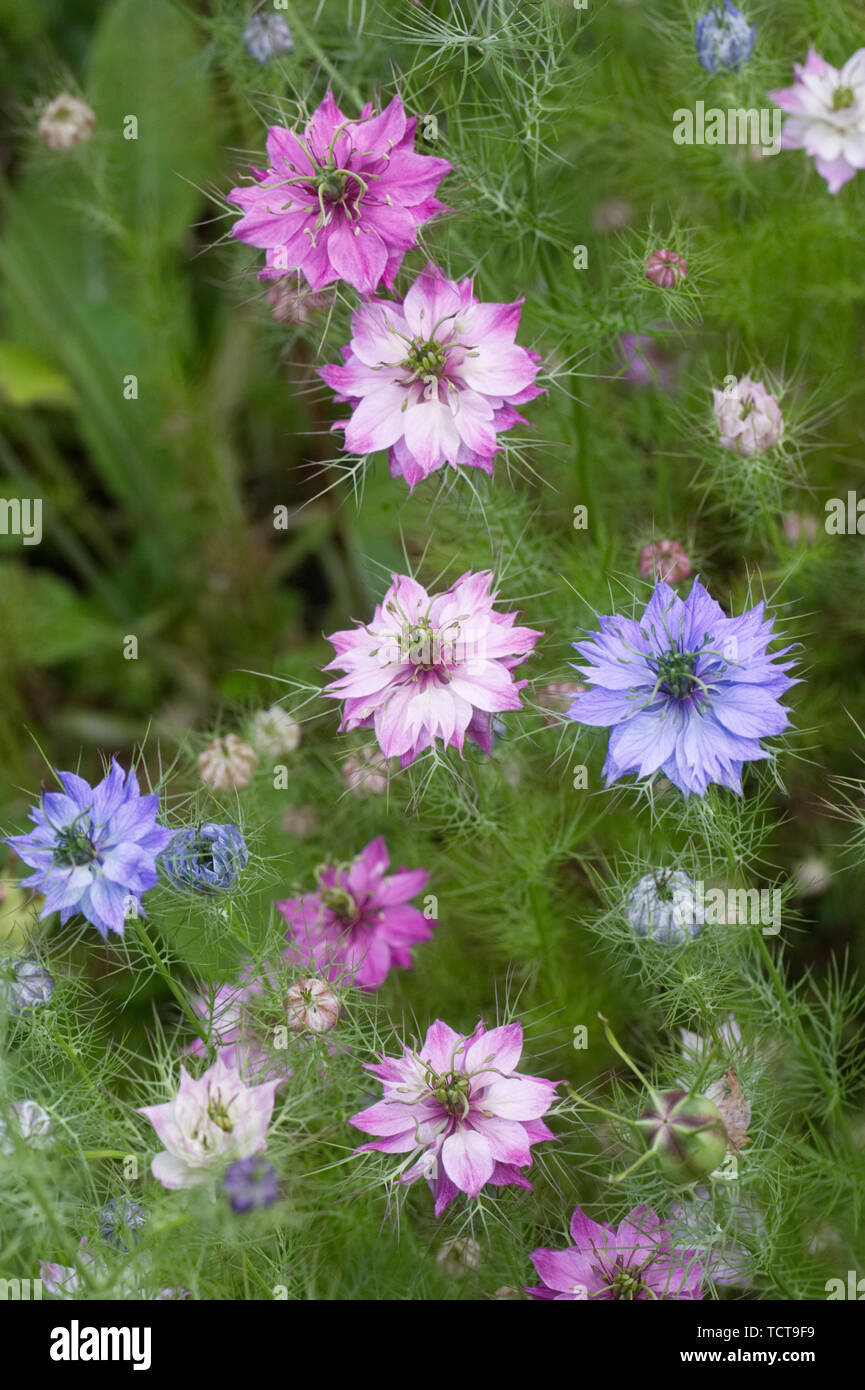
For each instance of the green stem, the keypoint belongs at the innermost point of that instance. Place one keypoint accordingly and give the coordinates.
(177, 990)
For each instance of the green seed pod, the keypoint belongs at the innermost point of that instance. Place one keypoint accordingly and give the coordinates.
(686, 1133)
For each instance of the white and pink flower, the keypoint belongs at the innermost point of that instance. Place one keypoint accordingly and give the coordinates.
(210, 1122)
(434, 379)
(460, 1111)
(749, 419)
(428, 668)
(826, 115)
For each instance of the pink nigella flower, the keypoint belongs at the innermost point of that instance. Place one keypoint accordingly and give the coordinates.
(343, 200)
(359, 921)
(826, 115)
(211, 1121)
(434, 379)
(666, 268)
(430, 668)
(637, 1261)
(460, 1111)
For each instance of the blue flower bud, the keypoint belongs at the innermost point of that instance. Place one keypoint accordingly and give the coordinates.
(206, 858)
(267, 36)
(725, 39)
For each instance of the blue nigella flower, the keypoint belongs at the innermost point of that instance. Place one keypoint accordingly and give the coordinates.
(725, 39)
(93, 848)
(663, 906)
(24, 984)
(206, 858)
(685, 690)
(251, 1182)
(267, 36)
(120, 1218)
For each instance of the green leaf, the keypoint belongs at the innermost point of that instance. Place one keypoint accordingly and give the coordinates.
(147, 63)
(27, 379)
(43, 621)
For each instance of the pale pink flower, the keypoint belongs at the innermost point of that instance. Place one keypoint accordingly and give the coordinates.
(211, 1121)
(343, 199)
(666, 560)
(428, 668)
(274, 732)
(65, 122)
(826, 115)
(748, 418)
(65, 1281)
(460, 1111)
(365, 772)
(359, 922)
(434, 379)
(227, 763)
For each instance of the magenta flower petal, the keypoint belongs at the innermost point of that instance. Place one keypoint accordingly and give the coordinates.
(439, 1106)
(432, 379)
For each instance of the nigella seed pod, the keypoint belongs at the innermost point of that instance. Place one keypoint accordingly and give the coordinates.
(666, 268)
(686, 1133)
(311, 1006)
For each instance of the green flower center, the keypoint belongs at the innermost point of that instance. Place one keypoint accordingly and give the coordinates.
(625, 1284)
(340, 902)
(217, 1110)
(426, 359)
(331, 185)
(842, 97)
(676, 673)
(74, 848)
(451, 1090)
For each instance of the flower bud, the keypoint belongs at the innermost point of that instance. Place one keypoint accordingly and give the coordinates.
(274, 732)
(227, 762)
(724, 38)
(749, 419)
(665, 560)
(65, 122)
(365, 772)
(311, 1007)
(267, 36)
(666, 268)
(687, 1135)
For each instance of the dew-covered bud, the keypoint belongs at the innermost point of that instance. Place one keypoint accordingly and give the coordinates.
(66, 121)
(665, 560)
(311, 1006)
(666, 268)
(686, 1133)
(227, 763)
